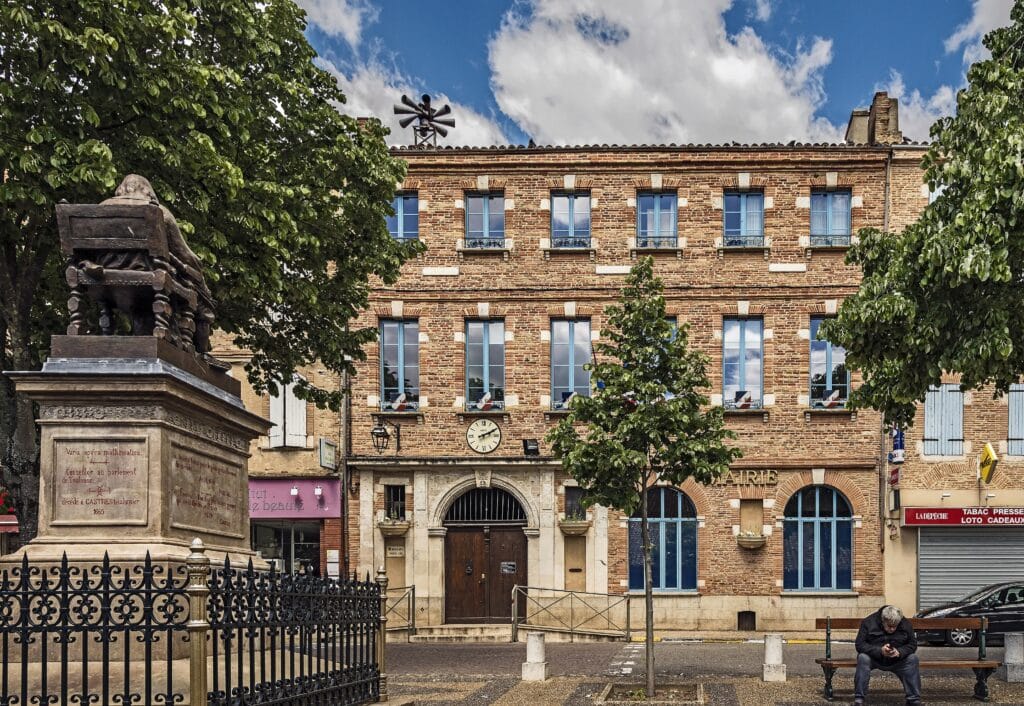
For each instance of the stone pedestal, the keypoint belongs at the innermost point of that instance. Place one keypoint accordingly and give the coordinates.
(535, 668)
(774, 668)
(143, 448)
(1013, 656)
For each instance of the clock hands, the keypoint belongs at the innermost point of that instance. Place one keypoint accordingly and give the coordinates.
(487, 433)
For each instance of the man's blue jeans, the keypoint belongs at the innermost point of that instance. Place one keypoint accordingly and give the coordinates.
(908, 670)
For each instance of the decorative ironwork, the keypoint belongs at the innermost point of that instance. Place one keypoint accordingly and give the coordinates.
(657, 241)
(744, 241)
(429, 120)
(830, 241)
(485, 243)
(485, 506)
(569, 242)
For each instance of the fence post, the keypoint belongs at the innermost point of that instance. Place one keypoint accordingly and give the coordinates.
(412, 612)
(515, 614)
(198, 565)
(382, 638)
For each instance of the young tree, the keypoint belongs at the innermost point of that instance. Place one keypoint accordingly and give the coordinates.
(220, 105)
(948, 292)
(648, 418)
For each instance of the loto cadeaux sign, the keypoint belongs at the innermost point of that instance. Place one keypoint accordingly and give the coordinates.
(962, 516)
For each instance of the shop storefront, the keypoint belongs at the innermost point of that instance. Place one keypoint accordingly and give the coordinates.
(290, 518)
(8, 534)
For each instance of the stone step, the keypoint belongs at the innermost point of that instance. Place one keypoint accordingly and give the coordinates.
(463, 633)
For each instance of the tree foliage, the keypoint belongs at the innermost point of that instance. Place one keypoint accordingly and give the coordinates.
(947, 294)
(220, 105)
(648, 418)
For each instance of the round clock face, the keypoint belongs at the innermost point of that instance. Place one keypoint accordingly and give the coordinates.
(483, 436)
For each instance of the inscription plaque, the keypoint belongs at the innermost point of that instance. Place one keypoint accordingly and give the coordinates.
(100, 481)
(206, 492)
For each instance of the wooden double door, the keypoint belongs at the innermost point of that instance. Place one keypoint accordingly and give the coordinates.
(482, 564)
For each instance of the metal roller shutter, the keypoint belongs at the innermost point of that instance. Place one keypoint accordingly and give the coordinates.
(952, 562)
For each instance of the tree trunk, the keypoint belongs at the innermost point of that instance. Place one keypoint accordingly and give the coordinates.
(645, 538)
(21, 437)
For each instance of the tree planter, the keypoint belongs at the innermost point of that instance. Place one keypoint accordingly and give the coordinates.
(393, 528)
(676, 693)
(751, 542)
(574, 528)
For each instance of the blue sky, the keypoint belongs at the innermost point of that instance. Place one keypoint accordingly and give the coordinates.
(655, 71)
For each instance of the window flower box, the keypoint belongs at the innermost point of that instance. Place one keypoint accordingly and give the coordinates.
(751, 541)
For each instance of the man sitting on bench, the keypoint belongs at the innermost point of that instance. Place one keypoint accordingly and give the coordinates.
(887, 641)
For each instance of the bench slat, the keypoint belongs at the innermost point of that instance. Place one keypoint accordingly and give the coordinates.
(925, 664)
(916, 623)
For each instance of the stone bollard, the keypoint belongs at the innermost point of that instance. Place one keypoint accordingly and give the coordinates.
(535, 668)
(774, 668)
(1013, 656)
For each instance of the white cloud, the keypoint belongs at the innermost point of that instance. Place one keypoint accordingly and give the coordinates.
(372, 91)
(986, 15)
(763, 10)
(655, 71)
(917, 113)
(340, 18)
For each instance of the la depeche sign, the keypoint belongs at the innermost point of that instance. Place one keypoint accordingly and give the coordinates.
(962, 516)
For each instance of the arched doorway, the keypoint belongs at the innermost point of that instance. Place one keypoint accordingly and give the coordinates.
(485, 556)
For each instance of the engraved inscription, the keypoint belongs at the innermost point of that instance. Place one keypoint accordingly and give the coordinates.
(206, 492)
(208, 431)
(100, 481)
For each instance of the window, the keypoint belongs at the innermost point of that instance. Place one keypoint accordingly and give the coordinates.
(741, 363)
(744, 219)
(570, 351)
(1015, 437)
(944, 421)
(672, 520)
(394, 502)
(830, 381)
(485, 365)
(485, 221)
(574, 508)
(288, 416)
(817, 542)
(830, 218)
(656, 221)
(570, 220)
(399, 366)
(405, 224)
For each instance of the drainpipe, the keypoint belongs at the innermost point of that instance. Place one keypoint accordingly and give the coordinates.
(882, 480)
(345, 432)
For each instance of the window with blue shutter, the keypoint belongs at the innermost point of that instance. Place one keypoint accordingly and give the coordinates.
(1015, 435)
(744, 219)
(405, 224)
(399, 366)
(485, 220)
(830, 218)
(944, 421)
(485, 365)
(656, 220)
(570, 220)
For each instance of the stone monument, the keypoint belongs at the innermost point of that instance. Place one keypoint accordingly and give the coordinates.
(144, 439)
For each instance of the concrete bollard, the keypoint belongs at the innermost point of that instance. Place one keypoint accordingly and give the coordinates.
(535, 668)
(1013, 656)
(774, 669)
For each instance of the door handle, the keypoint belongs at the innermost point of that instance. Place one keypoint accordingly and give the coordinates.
(469, 568)
(483, 577)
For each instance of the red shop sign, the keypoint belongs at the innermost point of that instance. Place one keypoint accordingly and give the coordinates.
(962, 516)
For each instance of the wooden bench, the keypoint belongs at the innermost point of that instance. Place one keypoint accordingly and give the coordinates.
(982, 666)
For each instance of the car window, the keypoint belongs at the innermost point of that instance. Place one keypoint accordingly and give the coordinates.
(1014, 595)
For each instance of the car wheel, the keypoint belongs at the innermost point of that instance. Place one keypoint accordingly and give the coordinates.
(961, 637)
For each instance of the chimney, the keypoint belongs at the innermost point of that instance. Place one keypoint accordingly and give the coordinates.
(877, 125)
(857, 128)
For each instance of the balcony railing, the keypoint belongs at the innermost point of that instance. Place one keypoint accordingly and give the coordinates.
(830, 241)
(657, 241)
(570, 242)
(736, 240)
(488, 243)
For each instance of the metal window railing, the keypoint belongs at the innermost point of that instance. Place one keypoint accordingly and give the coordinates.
(485, 243)
(828, 241)
(743, 241)
(657, 241)
(570, 242)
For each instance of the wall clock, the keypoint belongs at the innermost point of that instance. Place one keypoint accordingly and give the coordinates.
(483, 436)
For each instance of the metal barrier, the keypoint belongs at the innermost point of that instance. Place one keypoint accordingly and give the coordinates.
(572, 612)
(401, 609)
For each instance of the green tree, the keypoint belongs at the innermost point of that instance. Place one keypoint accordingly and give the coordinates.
(948, 292)
(218, 103)
(648, 418)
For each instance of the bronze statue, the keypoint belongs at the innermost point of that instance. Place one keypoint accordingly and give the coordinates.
(128, 255)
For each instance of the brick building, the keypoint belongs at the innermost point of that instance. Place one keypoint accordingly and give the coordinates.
(449, 482)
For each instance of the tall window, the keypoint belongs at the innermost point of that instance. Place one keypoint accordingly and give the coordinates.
(744, 218)
(399, 365)
(1015, 435)
(288, 416)
(485, 365)
(394, 502)
(830, 218)
(830, 381)
(817, 543)
(570, 351)
(656, 220)
(673, 525)
(570, 220)
(405, 224)
(485, 220)
(944, 421)
(742, 356)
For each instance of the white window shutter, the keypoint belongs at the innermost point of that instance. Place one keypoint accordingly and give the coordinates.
(277, 418)
(295, 419)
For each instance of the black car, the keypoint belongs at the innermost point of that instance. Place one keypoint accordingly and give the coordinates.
(1001, 603)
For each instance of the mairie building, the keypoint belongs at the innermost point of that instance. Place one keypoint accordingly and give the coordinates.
(437, 467)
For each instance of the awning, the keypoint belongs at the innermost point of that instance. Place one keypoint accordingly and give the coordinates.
(8, 524)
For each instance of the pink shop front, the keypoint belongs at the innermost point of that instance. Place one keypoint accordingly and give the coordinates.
(296, 523)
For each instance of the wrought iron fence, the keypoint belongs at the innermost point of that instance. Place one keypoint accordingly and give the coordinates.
(401, 609)
(572, 612)
(164, 633)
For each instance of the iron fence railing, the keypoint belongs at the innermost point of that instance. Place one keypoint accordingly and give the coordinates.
(171, 632)
(401, 609)
(572, 612)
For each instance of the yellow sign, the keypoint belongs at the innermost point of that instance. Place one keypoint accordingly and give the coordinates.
(989, 460)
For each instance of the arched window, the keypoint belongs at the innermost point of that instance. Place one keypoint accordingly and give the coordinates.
(818, 541)
(673, 525)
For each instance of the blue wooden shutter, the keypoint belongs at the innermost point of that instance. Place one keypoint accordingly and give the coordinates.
(932, 421)
(1015, 436)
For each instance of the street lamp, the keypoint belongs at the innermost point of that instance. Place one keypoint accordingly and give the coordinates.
(381, 436)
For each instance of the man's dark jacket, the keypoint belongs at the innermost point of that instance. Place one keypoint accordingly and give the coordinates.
(872, 636)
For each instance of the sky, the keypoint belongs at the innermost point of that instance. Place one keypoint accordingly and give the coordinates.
(572, 72)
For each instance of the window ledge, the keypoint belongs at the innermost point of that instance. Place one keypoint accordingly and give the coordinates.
(462, 249)
(462, 414)
(394, 414)
(929, 458)
(805, 243)
(764, 247)
(824, 413)
(819, 594)
(550, 414)
(666, 248)
(733, 412)
(547, 249)
(282, 447)
(682, 593)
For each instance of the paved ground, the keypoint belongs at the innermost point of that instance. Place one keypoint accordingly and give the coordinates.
(463, 674)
